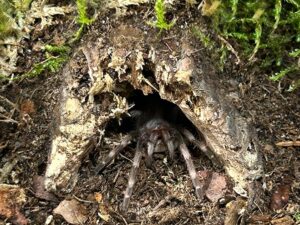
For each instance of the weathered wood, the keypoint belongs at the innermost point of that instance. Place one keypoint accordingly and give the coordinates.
(176, 69)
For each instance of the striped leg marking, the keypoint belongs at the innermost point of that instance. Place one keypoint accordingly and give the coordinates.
(127, 139)
(170, 145)
(132, 177)
(192, 171)
(150, 149)
(201, 145)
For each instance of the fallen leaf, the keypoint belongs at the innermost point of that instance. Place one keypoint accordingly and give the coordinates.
(72, 211)
(280, 197)
(12, 197)
(216, 186)
(27, 108)
(40, 191)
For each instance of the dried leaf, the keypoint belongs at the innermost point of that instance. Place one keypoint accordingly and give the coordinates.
(12, 197)
(280, 197)
(72, 211)
(27, 107)
(217, 187)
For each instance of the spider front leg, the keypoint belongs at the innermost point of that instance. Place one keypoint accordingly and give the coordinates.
(126, 141)
(150, 149)
(170, 145)
(201, 145)
(132, 176)
(191, 168)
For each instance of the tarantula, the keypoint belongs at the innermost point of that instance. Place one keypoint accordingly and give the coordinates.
(157, 130)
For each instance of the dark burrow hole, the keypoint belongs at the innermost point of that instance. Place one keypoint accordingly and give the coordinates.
(151, 105)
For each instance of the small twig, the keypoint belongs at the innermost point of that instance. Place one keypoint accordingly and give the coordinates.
(123, 156)
(117, 175)
(9, 121)
(168, 47)
(288, 144)
(230, 48)
(82, 200)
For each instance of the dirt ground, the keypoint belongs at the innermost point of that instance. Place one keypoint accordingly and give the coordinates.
(274, 113)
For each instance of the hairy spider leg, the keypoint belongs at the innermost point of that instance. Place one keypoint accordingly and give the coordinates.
(201, 145)
(132, 176)
(170, 145)
(191, 168)
(113, 153)
(150, 149)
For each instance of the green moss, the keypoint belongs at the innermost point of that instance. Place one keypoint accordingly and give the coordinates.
(7, 22)
(82, 13)
(56, 56)
(160, 12)
(22, 5)
(216, 50)
(82, 18)
(264, 32)
(58, 49)
(297, 216)
(203, 38)
(53, 64)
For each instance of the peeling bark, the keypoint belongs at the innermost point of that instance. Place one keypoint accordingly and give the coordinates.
(175, 69)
